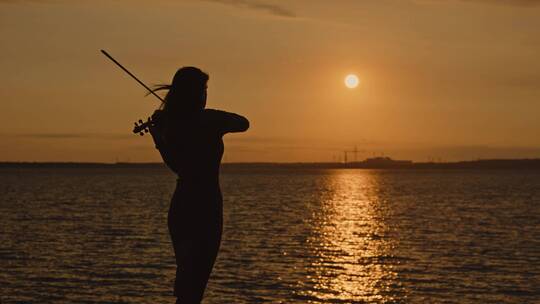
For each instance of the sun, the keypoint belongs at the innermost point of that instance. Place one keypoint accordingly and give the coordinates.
(351, 81)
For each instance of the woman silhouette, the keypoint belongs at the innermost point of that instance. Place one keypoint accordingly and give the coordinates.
(189, 139)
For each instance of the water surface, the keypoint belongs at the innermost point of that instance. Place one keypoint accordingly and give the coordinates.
(291, 236)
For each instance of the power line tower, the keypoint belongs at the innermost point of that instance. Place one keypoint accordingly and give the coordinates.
(355, 152)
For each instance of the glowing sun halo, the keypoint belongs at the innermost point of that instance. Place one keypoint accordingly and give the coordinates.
(351, 81)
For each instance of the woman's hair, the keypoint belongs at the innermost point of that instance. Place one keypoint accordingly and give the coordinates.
(186, 92)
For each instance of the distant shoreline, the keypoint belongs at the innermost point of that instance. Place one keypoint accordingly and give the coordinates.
(377, 163)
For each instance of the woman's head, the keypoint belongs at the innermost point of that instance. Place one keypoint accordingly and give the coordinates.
(187, 92)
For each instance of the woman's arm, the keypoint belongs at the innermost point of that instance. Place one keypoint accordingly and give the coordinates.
(226, 122)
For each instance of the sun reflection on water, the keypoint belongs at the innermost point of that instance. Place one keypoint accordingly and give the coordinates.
(353, 255)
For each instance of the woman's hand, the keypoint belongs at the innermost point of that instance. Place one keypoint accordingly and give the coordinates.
(155, 128)
(157, 116)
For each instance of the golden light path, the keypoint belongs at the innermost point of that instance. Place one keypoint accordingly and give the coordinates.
(349, 241)
(351, 81)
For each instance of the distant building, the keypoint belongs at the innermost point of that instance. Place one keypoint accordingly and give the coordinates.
(384, 162)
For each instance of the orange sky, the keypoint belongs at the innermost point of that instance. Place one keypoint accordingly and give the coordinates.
(448, 79)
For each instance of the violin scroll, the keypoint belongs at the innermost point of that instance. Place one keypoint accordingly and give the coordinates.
(142, 127)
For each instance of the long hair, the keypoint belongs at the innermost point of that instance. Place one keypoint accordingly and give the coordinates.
(185, 96)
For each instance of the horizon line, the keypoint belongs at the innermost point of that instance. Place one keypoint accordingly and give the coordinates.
(275, 162)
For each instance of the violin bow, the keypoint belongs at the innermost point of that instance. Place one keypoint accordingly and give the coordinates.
(141, 127)
(130, 74)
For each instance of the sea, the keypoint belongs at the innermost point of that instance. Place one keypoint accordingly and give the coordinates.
(291, 235)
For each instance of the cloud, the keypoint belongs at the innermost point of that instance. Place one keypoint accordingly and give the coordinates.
(530, 82)
(74, 135)
(523, 3)
(509, 2)
(272, 9)
(26, 1)
(308, 142)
